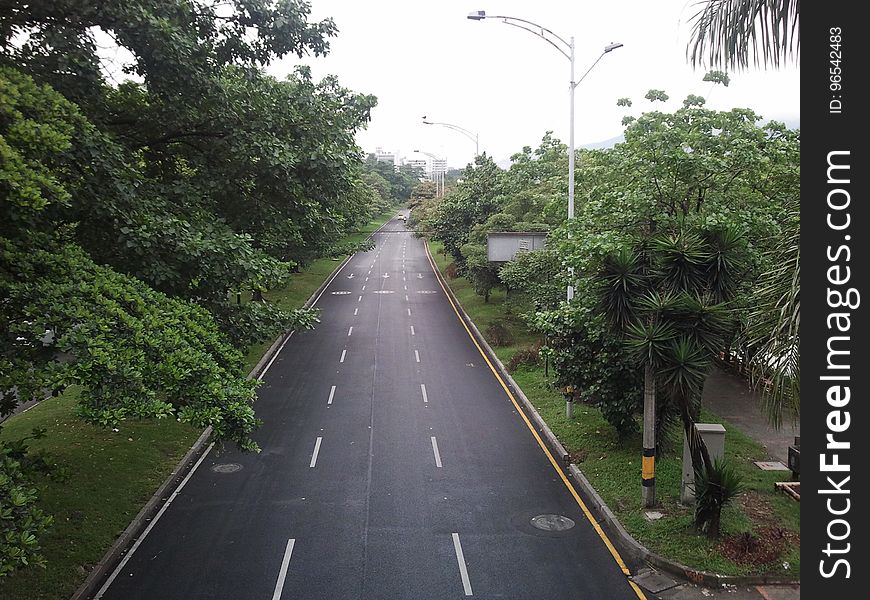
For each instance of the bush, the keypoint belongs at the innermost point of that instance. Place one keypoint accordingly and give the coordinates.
(713, 490)
(21, 522)
(525, 357)
(452, 271)
(498, 334)
(589, 356)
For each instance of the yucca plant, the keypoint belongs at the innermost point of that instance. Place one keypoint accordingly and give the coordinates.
(715, 486)
(669, 295)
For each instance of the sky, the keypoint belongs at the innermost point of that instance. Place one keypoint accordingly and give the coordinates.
(509, 86)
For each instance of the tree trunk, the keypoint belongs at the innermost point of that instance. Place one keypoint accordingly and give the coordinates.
(649, 438)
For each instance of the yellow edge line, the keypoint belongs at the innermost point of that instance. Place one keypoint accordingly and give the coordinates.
(613, 551)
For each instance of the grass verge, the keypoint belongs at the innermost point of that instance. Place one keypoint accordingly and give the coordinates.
(105, 477)
(612, 466)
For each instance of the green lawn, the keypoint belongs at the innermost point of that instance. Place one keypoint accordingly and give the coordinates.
(613, 465)
(107, 476)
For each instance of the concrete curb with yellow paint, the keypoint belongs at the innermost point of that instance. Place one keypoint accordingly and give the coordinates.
(629, 546)
(528, 413)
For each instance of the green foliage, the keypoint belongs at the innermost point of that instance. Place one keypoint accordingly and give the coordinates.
(482, 274)
(131, 213)
(468, 205)
(21, 521)
(717, 77)
(134, 351)
(656, 96)
(737, 33)
(715, 487)
(533, 280)
(588, 354)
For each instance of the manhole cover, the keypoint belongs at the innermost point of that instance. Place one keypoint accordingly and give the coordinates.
(552, 522)
(226, 468)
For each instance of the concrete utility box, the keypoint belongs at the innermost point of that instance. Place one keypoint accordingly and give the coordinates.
(713, 435)
(503, 246)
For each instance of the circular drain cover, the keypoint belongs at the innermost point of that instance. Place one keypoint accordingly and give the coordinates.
(552, 522)
(228, 468)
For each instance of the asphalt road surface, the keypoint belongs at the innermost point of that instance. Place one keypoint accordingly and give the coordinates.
(393, 466)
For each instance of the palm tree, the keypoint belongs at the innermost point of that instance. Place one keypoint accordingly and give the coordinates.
(669, 295)
(772, 335)
(729, 33)
(737, 33)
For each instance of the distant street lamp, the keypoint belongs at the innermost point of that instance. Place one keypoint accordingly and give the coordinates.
(566, 48)
(437, 176)
(469, 134)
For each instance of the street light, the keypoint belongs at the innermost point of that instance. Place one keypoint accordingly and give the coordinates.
(469, 134)
(437, 176)
(566, 48)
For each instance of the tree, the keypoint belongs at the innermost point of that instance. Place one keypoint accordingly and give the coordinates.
(669, 295)
(737, 33)
(131, 212)
(732, 34)
(467, 205)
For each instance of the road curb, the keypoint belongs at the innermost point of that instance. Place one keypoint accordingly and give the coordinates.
(630, 546)
(130, 534)
(541, 426)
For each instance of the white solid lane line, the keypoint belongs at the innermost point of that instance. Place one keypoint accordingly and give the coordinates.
(437, 454)
(417, 355)
(343, 354)
(316, 452)
(423, 389)
(349, 331)
(463, 570)
(151, 525)
(331, 394)
(282, 574)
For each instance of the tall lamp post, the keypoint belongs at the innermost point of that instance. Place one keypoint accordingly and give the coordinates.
(437, 176)
(469, 134)
(566, 49)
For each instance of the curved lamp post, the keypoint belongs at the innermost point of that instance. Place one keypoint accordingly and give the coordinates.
(469, 134)
(438, 178)
(566, 49)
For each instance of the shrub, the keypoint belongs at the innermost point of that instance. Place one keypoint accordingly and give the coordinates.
(525, 357)
(498, 334)
(452, 271)
(21, 521)
(713, 490)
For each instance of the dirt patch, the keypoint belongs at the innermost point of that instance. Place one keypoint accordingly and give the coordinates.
(767, 543)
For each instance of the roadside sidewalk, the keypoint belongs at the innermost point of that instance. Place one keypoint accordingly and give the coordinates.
(729, 396)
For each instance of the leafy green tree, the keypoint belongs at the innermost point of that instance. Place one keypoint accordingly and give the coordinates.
(589, 356)
(736, 34)
(534, 280)
(21, 520)
(469, 204)
(131, 212)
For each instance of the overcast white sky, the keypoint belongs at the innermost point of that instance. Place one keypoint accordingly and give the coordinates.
(427, 58)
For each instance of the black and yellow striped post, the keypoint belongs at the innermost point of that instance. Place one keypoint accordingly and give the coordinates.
(648, 470)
